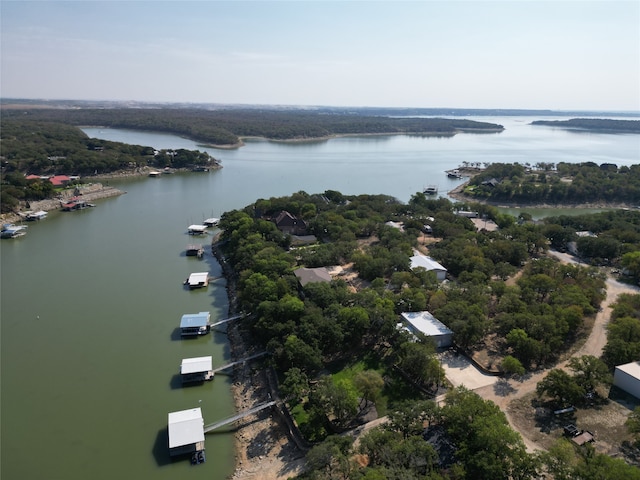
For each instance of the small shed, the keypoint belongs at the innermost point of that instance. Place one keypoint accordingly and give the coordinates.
(309, 275)
(198, 280)
(197, 369)
(429, 264)
(428, 325)
(627, 378)
(195, 324)
(186, 432)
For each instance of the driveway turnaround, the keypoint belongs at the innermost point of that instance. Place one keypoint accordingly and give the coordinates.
(460, 371)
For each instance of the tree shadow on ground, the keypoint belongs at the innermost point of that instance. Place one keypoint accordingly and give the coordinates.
(502, 388)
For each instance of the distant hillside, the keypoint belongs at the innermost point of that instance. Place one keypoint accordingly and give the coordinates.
(594, 124)
(227, 126)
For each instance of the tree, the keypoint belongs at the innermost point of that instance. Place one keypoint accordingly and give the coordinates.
(512, 365)
(633, 424)
(369, 383)
(589, 372)
(631, 263)
(559, 385)
(410, 417)
(338, 399)
(331, 457)
(419, 362)
(560, 460)
(295, 384)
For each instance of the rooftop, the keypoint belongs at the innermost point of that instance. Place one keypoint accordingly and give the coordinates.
(426, 323)
(195, 319)
(196, 365)
(308, 275)
(632, 369)
(428, 263)
(186, 427)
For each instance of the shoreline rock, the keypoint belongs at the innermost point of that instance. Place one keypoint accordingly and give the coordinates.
(89, 192)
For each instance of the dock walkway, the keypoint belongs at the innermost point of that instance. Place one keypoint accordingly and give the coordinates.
(239, 416)
(226, 320)
(238, 362)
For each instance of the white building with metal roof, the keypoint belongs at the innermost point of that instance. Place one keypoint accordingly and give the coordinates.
(429, 264)
(186, 431)
(627, 378)
(428, 325)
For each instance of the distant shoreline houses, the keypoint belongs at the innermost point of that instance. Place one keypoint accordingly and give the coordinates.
(59, 181)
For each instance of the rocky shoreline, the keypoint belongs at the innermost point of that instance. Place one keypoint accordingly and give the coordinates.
(89, 193)
(265, 446)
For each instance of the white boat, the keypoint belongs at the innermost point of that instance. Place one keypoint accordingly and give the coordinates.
(431, 190)
(9, 230)
(211, 222)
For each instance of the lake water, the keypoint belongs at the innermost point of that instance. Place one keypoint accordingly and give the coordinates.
(91, 300)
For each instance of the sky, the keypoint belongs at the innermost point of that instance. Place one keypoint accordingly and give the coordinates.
(512, 54)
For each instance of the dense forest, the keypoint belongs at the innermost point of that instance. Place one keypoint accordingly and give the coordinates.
(337, 347)
(226, 127)
(46, 149)
(594, 124)
(562, 183)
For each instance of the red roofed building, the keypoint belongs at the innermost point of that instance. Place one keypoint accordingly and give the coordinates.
(59, 180)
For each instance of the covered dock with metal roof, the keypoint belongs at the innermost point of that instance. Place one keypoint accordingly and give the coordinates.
(197, 369)
(186, 432)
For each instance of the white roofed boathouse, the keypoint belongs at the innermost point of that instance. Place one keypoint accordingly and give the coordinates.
(192, 324)
(197, 280)
(196, 370)
(186, 432)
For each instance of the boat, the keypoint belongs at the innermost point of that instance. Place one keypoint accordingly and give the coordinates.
(10, 230)
(454, 174)
(154, 174)
(431, 190)
(211, 222)
(34, 216)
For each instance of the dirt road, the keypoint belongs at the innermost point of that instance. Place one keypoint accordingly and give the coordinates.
(506, 391)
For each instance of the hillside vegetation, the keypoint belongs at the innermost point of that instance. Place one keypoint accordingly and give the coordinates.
(562, 183)
(226, 127)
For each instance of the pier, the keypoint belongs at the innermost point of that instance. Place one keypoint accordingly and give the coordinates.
(239, 416)
(226, 320)
(238, 362)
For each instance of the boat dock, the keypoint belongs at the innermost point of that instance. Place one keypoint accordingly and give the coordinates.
(238, 362)
(213, 426)
(227, 320)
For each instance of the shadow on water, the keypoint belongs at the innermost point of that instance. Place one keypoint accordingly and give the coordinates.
(161, 448)
(176, 383)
